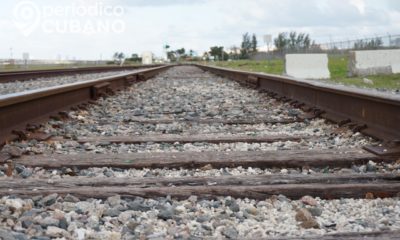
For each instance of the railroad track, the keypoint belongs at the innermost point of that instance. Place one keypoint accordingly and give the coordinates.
(189, 154)
(10, 76)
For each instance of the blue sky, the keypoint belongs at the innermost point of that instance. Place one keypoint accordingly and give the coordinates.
(50, 29)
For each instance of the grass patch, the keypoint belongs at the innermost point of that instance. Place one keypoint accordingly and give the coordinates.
(337, 65)
(264, 66)
(380, 81)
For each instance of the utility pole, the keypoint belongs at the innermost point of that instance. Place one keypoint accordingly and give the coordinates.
(11, 57)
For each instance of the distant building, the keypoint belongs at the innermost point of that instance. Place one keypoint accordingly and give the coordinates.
(147, 58)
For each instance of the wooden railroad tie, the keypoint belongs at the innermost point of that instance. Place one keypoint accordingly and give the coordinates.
(172, 138)
(262, 159)
(327, 186)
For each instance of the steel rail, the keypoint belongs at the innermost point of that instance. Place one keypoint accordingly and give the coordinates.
(10, 76)
(19, 109)
(374, 114)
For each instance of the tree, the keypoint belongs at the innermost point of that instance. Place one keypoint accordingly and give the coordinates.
(115, 56)
(191, 53)
(218, 53)
(118, 57)
(171, 55)
(180, 51)
(293, 42)
(177, 54)
(281, 41)
(254, 43)
(245, 46)
(134, 57)
(368, 44)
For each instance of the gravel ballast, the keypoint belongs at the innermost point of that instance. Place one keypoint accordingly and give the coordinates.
(186, 93)
(193, 218)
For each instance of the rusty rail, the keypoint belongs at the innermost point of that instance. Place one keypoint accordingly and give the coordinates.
(10, 76)
(375, 115)
(19, 109)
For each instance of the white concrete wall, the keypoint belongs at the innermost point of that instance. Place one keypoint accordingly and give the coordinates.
(370, 62)
(307, 66)
(147, 58)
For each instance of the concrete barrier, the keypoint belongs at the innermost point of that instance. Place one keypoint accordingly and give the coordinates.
(147, 58)
(372, 62)
(307, 66)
